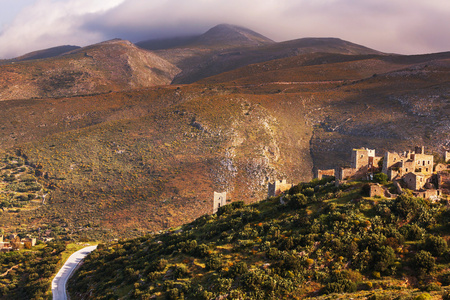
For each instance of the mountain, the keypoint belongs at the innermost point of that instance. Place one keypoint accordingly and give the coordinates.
(219, 37)
(226, 35)
(108, 66)
(225, 47)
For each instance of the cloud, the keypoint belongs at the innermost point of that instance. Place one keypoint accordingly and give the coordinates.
(402, 26)
(49, 23)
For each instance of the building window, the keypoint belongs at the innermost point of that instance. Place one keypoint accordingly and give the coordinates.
(428, 162)
(406, 170)
(427, 169)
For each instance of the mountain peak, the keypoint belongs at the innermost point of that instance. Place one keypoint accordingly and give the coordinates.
(231, 34)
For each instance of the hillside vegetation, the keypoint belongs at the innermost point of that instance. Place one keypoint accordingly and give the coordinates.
(315, 241)
(27, 274)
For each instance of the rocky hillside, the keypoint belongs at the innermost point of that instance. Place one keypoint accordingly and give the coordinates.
(128, 159)
(109, 66)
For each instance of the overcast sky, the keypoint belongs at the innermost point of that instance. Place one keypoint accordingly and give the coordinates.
(400, 26)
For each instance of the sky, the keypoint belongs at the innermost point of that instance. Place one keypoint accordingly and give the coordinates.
(393, 26)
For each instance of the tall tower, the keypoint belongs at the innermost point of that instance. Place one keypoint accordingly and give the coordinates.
(220, 199)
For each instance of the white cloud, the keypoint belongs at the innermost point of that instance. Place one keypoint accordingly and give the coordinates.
(403, 26)
(386, 25)
(49, 23)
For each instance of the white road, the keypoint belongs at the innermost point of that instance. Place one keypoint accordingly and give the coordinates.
(60, 281)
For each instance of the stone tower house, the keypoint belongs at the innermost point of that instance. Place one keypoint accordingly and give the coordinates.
(220, 199)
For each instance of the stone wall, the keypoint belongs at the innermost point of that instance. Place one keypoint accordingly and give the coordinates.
(325, 173)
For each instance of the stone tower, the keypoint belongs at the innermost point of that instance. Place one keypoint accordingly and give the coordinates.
(220, 199)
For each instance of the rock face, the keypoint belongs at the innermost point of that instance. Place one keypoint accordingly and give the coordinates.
(108, 66)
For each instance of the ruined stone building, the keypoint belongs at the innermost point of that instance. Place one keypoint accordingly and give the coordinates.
(413, 170)
(325, 173)
(279, 186)
(416, 181)
(363, 163)
(397, 165)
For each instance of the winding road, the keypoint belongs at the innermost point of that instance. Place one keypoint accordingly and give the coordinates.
(60, 281)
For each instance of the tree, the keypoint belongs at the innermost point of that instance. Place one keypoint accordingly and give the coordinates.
(380, 178)
(423, 262)
(384, 259)
(435, 244)
(297, 201)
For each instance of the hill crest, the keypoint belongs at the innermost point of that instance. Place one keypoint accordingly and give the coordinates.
(108, 66)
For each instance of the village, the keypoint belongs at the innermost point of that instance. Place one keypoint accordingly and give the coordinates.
(411, 170)
(14, 242)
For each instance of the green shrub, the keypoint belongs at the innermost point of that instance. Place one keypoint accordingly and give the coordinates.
(238, 269)
(158, 265)
(295, 189)
(297, 201)
(423, 262)
(201, 250)
(340, 286)
(308, 191)
(435, 244)
(214, 262)
(384, 259)
(414, 233)
(174, 294)
(445, 279)
(365, 190)
(406, 206)
(424, 296)
(380, 178)
(431, 287)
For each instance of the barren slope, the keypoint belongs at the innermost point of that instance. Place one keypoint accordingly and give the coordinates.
(109, 66)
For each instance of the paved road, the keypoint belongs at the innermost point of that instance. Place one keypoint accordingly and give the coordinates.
(60, 281)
